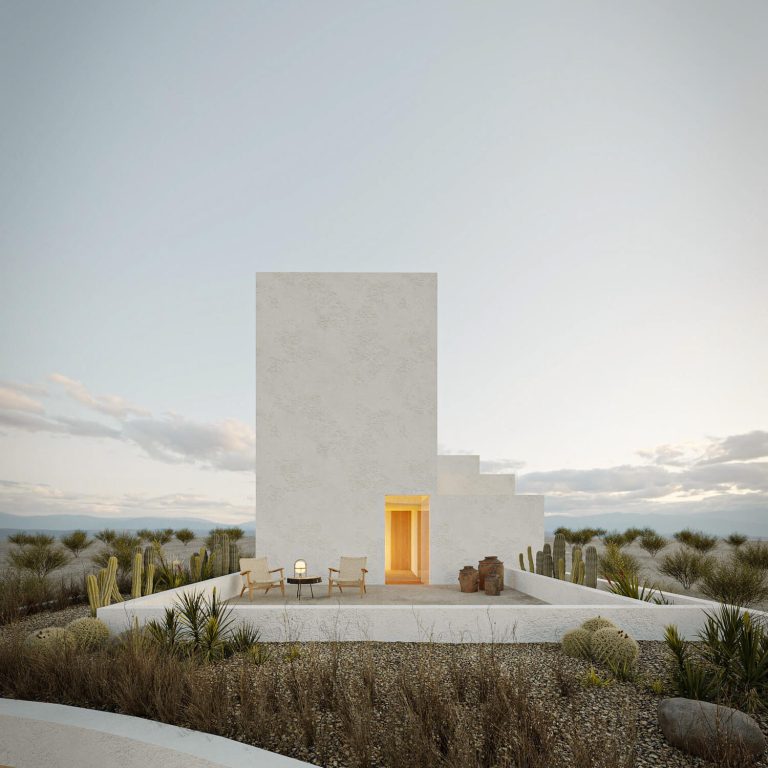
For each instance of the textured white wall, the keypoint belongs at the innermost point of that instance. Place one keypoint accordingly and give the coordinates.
(346, 410)
(464, 529)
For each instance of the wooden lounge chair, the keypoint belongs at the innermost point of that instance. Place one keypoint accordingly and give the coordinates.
(351, 573)
(258, 575)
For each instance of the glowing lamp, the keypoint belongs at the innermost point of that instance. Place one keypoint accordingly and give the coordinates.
(300, 568)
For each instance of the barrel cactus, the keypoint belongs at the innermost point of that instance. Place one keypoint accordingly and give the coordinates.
(52, 638)
(613, 646)
(577, 643)
(597, 623)
(89, 633)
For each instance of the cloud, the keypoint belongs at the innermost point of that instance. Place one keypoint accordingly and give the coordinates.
(20, 498)
(14, 400)
(751, 445)
(111, 405)
(225, 445)
(500, 466)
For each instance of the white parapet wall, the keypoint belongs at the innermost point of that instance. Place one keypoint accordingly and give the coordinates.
(568, 605)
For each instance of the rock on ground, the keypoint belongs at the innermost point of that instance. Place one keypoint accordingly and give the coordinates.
(707, 730)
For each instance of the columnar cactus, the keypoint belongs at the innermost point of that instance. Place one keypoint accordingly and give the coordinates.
(531, 567)
(547, 549)
(194, 567)
(108, 580)
(522, 562)
(136, 571)
(575, 562)
(560, 574)
(234, 557)
(540, 563)
(94, 595)
(590, 557)
(149, 583)
(149, 556)
(558, 550)
(547, 564)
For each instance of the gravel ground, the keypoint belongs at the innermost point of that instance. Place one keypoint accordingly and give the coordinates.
(619, 713)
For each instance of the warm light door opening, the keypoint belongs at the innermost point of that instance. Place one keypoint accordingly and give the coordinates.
(406, 539)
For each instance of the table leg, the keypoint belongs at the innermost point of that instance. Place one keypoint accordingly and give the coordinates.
(298, 591)
(312, 591)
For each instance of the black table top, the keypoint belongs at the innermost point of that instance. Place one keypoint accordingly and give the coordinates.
(304, 579)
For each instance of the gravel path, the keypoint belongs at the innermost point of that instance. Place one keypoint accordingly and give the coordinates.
(620, 713)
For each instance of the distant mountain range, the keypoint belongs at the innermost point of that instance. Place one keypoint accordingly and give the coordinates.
(713, 524)
(60, 523)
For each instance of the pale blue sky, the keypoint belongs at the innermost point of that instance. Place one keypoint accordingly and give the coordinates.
(587, 178)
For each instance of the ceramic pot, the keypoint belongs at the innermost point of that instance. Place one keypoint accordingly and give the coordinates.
(492, 585)
(468, 579)
(491, 565)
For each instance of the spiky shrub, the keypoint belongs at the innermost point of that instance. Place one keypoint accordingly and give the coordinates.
(185, 535)
(596, 623)
(52, 638)
(652, 543)
(685, 565)
(735, 583)
(76, 542)
(755, 554)
(89, 633)
(615, 562)
(697, 540)
(735, 539)
(614, 647)
(577, 643)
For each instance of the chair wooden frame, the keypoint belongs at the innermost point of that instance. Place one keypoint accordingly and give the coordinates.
(265, 585)
(335, 582)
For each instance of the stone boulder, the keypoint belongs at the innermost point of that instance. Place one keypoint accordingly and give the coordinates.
(705, 729)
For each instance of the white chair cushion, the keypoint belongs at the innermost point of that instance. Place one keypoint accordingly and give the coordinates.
(259, 569)
(350, 567)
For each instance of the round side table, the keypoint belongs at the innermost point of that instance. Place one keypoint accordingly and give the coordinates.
(299, 581)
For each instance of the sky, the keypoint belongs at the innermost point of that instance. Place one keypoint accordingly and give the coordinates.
(588, 179)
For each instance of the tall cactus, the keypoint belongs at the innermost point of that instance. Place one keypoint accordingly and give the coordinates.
(136, 572)
(522, 562)
(224, 555)
(149, 556)
(558, 550)
(194, 567)
(547, 564)
(234, 557)
(94, 596)
(590, 577)
(540, 563)
(531, 566)
(149, 583)
(107, 582)
(560, 569)
(575, 560)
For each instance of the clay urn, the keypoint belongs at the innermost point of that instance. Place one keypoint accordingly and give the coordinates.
(492, 585)
(468, 578)
(491, 565)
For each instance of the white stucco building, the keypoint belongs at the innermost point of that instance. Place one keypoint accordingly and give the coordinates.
(346, 436)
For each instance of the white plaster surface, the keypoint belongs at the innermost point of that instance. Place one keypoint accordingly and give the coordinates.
(346, 410)
(35, 734)
(466, 528)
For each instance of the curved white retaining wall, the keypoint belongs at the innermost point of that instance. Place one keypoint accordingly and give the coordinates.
(34, 734)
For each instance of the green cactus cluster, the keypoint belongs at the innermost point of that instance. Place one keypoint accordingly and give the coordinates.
(614, 647)
(89, 633)
(577, 643)
(102, 588)
(52, 638)
(601, 640)
(551, 561)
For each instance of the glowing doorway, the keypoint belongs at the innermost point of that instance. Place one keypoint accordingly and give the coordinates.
(406, 539)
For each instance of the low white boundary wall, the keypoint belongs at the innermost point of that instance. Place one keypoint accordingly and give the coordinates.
(568, 605)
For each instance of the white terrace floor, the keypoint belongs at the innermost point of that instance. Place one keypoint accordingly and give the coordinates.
(402, 594)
